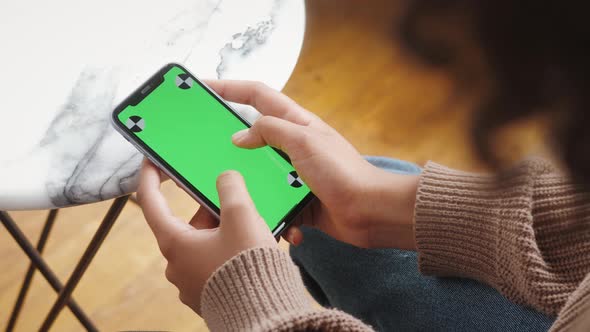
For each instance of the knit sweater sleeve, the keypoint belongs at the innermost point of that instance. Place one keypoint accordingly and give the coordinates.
(575, 315)
(261, 290)
(524, 231)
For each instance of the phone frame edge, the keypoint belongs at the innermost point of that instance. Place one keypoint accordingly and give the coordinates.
(283, 223)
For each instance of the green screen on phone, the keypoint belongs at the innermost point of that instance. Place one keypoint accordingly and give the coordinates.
(186, 127)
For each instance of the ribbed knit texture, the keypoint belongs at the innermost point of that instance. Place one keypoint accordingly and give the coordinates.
(575, 315)
(526, 232)
(261, 290)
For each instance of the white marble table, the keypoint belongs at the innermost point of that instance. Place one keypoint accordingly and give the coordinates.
(66, 63)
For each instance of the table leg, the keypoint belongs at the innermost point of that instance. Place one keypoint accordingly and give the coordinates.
(31, 271)
(42, 266)
(93, 246)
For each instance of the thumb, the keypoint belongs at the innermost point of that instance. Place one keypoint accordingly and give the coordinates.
(236, 205)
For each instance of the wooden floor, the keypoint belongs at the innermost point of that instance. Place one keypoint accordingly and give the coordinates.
(351, 72)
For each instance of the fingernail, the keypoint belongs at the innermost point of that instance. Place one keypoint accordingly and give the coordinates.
(239, 135)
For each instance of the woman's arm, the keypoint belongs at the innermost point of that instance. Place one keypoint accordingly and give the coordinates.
(525, 231)
(261, 290)
(231, 270)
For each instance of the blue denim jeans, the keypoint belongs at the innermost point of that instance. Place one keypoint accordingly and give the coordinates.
(383, 287)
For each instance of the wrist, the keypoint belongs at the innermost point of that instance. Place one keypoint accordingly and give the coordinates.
(254, 290)
(388, 208)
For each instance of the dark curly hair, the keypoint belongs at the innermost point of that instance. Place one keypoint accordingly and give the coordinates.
(537, 60)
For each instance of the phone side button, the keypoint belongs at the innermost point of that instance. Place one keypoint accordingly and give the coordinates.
(279, 229)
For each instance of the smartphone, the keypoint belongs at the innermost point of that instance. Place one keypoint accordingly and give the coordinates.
(185, 128)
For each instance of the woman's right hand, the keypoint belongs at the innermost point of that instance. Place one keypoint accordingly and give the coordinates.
(358, 203)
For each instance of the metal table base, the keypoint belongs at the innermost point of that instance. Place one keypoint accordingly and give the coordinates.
(38, 263)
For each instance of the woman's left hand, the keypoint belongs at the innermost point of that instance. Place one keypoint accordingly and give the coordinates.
(196, 249)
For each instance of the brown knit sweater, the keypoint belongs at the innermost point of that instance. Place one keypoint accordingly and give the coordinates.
(524, 232)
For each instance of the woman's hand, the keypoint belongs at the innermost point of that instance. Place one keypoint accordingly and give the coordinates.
(196, 249)
(358, 203)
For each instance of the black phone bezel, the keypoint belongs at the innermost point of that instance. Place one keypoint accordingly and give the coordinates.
(153, 82)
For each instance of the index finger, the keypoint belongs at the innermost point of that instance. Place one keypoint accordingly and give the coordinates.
(157, 213)
(265, 99)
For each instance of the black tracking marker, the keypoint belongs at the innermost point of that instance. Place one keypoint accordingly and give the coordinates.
(294, 180)
(184, 81)
(135, 123)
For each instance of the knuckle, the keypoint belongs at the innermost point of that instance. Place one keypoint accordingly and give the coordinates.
(183, 298)
(168, 250)
(139, 196)
(173, 245)
(264, 121)
(268, 128)
(169, 274)
(233, 209)
(221, 87)
(302, 141)
(260, 87)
